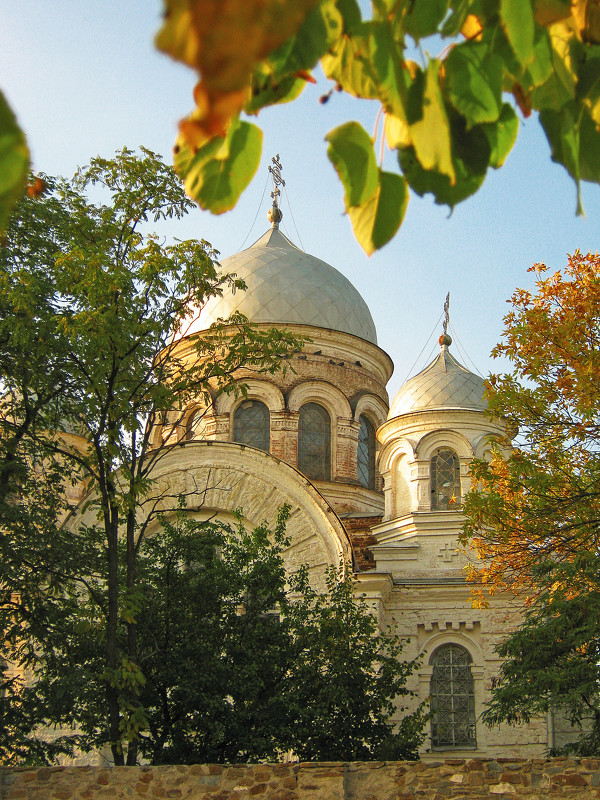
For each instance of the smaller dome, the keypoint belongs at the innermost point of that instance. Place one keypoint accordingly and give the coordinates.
(442, 384)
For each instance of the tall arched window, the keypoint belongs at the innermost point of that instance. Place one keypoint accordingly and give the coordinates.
(251, 424)
(365, 456)
(445, 481)
(314, 442)
(452, 698)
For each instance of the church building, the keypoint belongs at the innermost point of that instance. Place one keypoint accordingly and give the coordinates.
(372, 484)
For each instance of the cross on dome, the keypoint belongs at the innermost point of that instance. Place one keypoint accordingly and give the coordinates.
(275, 216)
(445, 339)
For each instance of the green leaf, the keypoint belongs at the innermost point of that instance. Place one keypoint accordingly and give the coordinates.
(348, 64)
(377, 220)
(220, 171)
(14, 162)
(589, 149)
(560, 86)
(424, 18)
(502, 135)
(351, 153)
(562, 130)
(474, 82)
(540, 68)
(588, 87)
(429, 126)
(321, 28)
(470, 157)
(519, 24)
(268, 90)
(351, 14)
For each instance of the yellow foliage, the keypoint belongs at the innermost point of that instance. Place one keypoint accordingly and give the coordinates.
(223, 40)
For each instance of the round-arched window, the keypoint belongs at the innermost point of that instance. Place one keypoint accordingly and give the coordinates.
(365, 455)
(452, 698)
(445, 481)
(314, 442)
(251, 425)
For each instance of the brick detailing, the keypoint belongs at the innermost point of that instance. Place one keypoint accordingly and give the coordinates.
(359, 531)
(474, 779)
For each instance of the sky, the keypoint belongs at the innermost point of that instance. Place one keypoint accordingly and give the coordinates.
(84, 79)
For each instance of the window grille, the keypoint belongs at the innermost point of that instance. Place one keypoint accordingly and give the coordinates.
(445, 481)
(365, 457)
(452, 698)
(314, 442)
(251, 425)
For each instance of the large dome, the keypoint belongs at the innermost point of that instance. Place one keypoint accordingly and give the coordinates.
(286, 285)
(442, 384)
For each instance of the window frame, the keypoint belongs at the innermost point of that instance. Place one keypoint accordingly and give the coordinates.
(459, 676)
(323, 473)
(445, 496)
(368, 459)
(252, 440)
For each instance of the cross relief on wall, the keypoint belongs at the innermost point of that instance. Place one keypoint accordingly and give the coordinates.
(448, 552)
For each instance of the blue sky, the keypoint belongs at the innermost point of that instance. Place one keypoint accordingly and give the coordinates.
(84, 79)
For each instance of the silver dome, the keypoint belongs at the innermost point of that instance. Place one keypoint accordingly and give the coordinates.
(287, 285)
(442, 384)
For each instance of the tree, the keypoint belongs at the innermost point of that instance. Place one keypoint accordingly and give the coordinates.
(240, 661)
(243, 662)
(90, 368)
(446, 117)
(534, 520)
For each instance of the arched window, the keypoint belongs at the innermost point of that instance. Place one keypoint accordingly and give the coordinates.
(251, 425)
(195, 427)
(452, 698)
(365, 456)
(445, 481)
(314, 442)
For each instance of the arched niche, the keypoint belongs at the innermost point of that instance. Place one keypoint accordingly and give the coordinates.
(219, 478)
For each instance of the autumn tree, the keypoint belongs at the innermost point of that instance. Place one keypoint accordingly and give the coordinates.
(91, 297)
(449, 117)
(534, 520)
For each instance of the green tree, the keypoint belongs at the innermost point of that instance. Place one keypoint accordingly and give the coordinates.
(243, 662)
(535, 519)
(90, 300)
(448, 116)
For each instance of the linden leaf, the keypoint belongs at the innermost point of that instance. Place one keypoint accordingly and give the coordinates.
(424, 18)
(377, 220)
(351, 153)
(14, 162)
(218, 173)
(429, 125)
(474, 82)
(471, 153)
(519, 24)
(502, 135)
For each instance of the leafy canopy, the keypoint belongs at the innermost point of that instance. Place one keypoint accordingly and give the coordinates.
(534, 519)
(90, 369)
(449, 118)
(238, 661)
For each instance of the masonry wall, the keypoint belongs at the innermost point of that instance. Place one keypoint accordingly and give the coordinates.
(474, 779)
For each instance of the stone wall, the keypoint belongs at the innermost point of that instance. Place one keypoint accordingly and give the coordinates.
(578, 779)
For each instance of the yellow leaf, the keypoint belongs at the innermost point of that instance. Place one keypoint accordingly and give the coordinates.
(223, 40)
(472, 28)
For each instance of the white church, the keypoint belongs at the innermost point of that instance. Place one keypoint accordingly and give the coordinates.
(372, 484)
